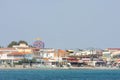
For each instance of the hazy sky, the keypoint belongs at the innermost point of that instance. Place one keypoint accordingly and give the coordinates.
(62, 24)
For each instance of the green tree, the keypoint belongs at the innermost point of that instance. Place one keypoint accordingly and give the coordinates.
(17, 43)
(12, 43)
(22, 41)
(31, 46)
(33, 60)
(25, 60)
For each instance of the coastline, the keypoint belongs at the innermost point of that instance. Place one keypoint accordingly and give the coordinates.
(59, 68)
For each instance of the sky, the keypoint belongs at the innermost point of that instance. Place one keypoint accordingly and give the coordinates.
(65, 24)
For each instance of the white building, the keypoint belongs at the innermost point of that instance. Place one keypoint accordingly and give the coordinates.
(47, 53)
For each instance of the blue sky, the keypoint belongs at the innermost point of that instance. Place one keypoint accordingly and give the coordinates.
(62, 24)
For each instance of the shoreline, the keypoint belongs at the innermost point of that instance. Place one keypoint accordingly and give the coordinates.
(60, 68)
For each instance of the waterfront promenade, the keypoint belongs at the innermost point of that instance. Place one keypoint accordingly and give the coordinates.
(56, 68)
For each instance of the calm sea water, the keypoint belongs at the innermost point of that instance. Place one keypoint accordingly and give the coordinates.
(59, 74)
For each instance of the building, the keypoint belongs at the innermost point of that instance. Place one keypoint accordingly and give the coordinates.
(15, 54)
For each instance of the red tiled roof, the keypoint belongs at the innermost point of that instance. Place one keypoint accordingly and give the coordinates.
(113, 48)
(7, 48)
(1, 52)
(17, 53)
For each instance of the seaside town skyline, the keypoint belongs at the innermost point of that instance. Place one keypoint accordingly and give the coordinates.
(75, 33)
(59, 40)
(21, 55)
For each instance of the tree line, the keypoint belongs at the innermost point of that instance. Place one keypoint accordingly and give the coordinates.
(15, 43)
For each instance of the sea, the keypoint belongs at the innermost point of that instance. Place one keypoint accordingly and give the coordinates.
(59, 74)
